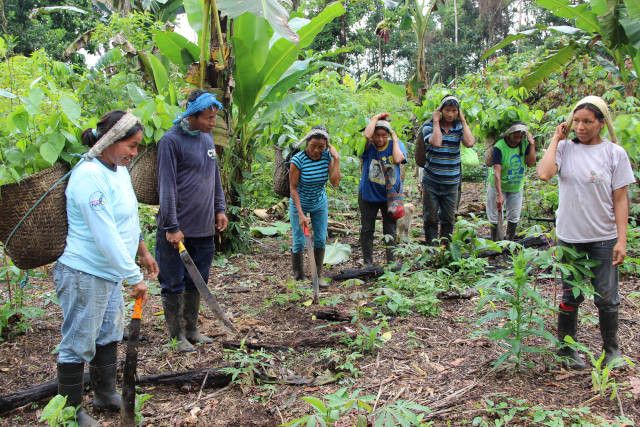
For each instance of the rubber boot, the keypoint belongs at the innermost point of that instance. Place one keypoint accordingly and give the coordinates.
(430, 233)
(568, 325)
(609, 332)
(511, 230)
(102, 369)
(297, 263)
(318, 255)
(190, 314)
(366, 242)
(494, 232)
(172, 305)
(70, 384)
(446, 230)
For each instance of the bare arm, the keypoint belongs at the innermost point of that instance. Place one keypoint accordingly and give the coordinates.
(547, 168)
(497, 180)
(621, 214)
(371, 126)
(398, 156)
(436, 133)
(294, 178)
(467, 137)
(334, 167)
(531, 156)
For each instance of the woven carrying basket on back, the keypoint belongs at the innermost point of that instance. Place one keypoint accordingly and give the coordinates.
(41, 238)
(280, 174)
(144, 175)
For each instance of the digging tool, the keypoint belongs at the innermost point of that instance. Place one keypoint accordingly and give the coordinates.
(127, 412)
(499, 226)
(315, 281)
(203, 289)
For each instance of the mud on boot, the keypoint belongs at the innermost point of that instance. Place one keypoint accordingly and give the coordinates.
(173, 307)
(102, 369)
(318, 255)
(190, 312)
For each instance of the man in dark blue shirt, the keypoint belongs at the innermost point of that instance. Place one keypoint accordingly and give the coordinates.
(192, 208)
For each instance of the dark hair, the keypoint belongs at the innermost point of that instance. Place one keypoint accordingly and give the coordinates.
(89, 137)
(450, 103)
(595, 110)
(317, 135)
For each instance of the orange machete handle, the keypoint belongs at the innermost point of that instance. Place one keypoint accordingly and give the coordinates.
(137, 309)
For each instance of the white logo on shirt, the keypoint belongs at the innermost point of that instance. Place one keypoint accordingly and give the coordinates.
(211, 153)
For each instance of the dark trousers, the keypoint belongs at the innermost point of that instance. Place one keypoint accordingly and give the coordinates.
(173, 276)
(368, 215)
(439, 203)
(605, 280)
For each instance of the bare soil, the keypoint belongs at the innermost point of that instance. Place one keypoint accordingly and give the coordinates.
(432, 361)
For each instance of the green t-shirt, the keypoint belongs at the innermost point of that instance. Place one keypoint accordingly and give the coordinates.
(513, 164)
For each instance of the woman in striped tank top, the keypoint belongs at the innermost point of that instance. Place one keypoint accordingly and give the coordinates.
(309, 172)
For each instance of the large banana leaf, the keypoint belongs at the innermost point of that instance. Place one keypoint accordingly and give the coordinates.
(549, 65)
(297, 98)
(272, 10)
(176, 48)
(194, 10)
(563, 29)
(584, 17)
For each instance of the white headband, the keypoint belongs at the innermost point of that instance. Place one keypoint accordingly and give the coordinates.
(314, 132)
(116, 133)
(447, 98)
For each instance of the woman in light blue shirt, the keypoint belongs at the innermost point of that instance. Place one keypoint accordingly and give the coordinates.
(102, 244)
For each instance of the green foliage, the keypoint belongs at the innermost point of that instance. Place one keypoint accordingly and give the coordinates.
(16, 312)
(515, 311)
(141, 399)
(337, 253)
(278, 228)
(368, 340)
(248, 366)
(57, 414)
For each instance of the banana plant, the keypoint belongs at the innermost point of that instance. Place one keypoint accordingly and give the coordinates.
(612, 25)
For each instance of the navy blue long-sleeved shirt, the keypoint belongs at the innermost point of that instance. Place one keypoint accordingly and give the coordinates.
(189, 183)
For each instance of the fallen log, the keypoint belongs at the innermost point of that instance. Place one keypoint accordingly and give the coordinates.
(214, 378)
(465, 294)
(359, 273)
(318, 341)
(332, 315)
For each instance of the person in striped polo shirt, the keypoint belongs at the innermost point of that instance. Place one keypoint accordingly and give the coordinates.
(442, 170)
(309, 172)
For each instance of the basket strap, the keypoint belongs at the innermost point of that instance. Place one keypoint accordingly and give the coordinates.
(35, 205)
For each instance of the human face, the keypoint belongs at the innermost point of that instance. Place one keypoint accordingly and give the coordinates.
(122, 152)
(205, 121)
(380, 137)
(315, 148)
(515, 139)
(587, 126)
(449, 113)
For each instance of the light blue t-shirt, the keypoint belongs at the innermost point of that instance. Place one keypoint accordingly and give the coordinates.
(104, 229)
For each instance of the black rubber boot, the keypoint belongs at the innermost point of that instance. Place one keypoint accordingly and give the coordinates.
(318, 255)
(190, 313)
(297, 264)
(103, 378)
(446, 230)
(568, 325)
(366, 242)
(609, 332)
(494, 232)
(511, 230)
(430, 233)
(173, 307)
(70, 384)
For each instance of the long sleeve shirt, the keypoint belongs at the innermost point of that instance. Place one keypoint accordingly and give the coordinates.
(189, 183)
(104, 229)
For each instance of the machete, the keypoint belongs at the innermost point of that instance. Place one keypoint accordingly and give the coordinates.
(500, 228)
(312, 263)
(203, 289)
(127, 413)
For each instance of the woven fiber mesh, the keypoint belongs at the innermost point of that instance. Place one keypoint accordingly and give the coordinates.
(41, 238)
(144, 176)
(280, 174)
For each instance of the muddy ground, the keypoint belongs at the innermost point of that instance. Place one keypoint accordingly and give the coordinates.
(431, 361)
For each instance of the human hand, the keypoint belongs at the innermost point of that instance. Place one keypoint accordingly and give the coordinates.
(436, 116)
(174, 238)
(149, 264)
(140, 290)
(619, 252)
(221, 221)
(305, 221)
(530, 138)
(334, 153)
(499, 200)
(383, 116)
(561, 131)
(461, 115)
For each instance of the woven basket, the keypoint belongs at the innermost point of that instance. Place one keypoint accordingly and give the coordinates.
(144, 175)
(41, 238)
(280, 174)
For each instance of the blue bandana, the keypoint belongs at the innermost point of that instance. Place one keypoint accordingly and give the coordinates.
(201, 103)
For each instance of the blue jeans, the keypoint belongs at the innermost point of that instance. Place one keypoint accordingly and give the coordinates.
(605, 282)
(439, 207)
(92, 312)
(319, 221)
(173, 277)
